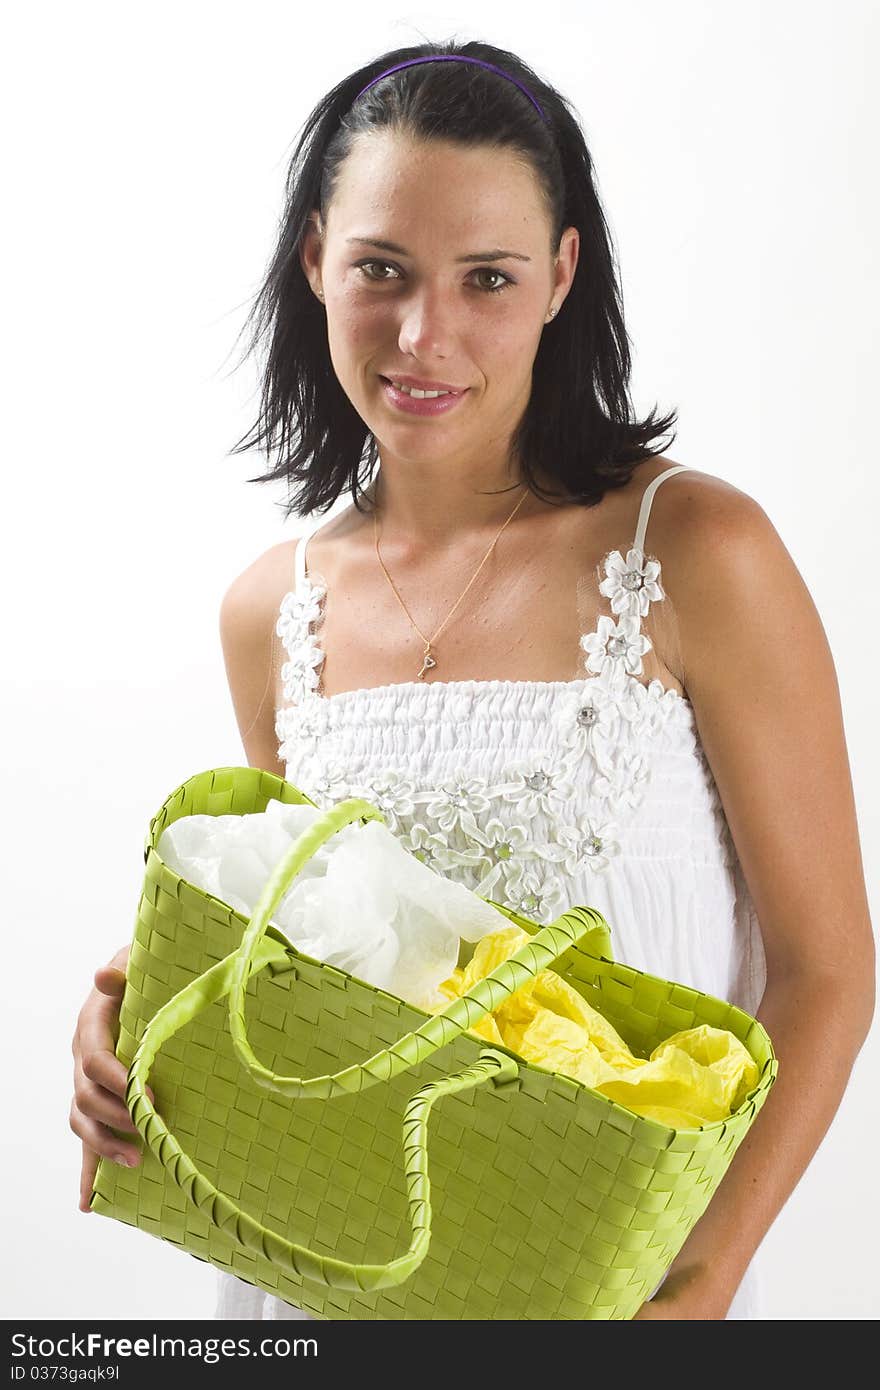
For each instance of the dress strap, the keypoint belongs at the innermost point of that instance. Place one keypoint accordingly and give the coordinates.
(648, 498)
(312, 524)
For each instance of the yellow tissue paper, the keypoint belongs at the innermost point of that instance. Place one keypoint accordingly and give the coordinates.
(694, 1077)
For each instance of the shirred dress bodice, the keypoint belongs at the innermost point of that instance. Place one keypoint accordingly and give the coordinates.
(539, 795)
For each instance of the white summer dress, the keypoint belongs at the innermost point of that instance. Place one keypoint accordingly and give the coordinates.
(540, 795)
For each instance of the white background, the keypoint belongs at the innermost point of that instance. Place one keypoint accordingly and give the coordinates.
(146, 147)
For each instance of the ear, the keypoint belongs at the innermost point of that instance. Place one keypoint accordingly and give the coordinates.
(565, 264)
(311, 251)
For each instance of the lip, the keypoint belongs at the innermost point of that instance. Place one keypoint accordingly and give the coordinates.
(421, 384)
(409, 405)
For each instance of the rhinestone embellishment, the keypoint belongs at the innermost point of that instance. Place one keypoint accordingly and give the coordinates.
(538, 781)
(632, 580)
(587, 715)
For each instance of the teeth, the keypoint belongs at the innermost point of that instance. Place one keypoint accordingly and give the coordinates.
(419, 395)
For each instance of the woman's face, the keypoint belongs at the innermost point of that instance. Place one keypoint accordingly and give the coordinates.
(440, 302)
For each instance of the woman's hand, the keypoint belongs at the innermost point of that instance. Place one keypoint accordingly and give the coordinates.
(100, 1079)
(687, 1294)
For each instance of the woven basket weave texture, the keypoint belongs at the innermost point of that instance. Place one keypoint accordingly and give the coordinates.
(547, 1199)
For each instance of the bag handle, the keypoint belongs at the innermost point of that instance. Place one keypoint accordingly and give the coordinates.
(257, 951)
(487, 995)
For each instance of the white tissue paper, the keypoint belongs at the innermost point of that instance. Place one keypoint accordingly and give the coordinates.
(363, 902)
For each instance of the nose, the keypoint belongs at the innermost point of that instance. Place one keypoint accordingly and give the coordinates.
(426, 326)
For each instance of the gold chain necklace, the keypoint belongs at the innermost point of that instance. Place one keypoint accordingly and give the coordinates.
(427, 659)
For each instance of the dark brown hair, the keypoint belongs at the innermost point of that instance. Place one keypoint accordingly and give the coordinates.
(578, 427)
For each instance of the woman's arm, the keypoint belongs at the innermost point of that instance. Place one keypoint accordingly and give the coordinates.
(248, 615)
(759, 673)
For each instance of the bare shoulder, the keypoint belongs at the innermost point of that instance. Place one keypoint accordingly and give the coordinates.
(706, 533)
(254, 595)
(727, 572)
(248, 618)
(256, 591)
(694, 499)
(713, 537)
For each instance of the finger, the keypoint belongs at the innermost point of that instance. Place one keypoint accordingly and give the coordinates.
(106, 1071)
(109, 980)
(90, 1161)
(102, 1140)
(96, 1033)
(89, 1168)
(104, 1068)
(97, 1103)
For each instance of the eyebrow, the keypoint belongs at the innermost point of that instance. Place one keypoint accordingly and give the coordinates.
(496, 255)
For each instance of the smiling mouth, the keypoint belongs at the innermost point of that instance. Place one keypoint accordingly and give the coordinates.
(418, 393)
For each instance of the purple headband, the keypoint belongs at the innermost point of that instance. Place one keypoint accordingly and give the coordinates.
(455, 58)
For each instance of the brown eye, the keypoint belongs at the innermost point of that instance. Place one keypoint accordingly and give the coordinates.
(364, 266)
(494, 289)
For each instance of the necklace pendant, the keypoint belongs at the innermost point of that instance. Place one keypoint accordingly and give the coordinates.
(427, 663)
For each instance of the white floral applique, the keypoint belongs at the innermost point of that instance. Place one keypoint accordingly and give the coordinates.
(615, 650)
(588, 846)
(301, 675)
(302, 715)
(648, 706)
(469, 828)
(502, 851)
(588, 720)
(295, 724)
(633, 584)
(622, 783)
(456, 803)
(329, 785)
(538, 896)
(537, 785)
(300, 610)
(392, 792)
(431, 847)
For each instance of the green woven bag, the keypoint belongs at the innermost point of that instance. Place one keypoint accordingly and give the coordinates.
(363, 1159)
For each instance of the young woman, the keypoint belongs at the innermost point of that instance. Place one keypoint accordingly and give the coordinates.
(482, 642)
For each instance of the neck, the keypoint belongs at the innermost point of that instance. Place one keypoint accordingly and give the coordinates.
(428, 509)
